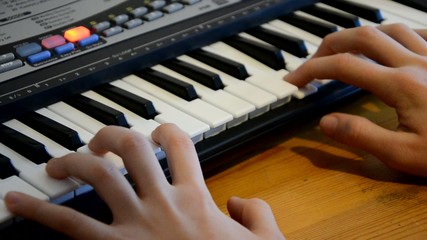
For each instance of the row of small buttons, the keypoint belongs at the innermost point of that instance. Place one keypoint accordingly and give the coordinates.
(38, 52)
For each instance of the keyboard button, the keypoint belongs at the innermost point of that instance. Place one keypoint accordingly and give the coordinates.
(204, 77)
(53, 42)
(57, 132)
(134, 103)
(28, 49)
(225, 65)
(268, 55)
(361, 10)
(317, 28)
(98, 111)
(29, 148)
(285, 42)
(76, 34)
(4, 67)
(341, 19)
(183, 90)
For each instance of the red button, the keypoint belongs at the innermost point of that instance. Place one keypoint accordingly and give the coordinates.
(53, 42)
(76, 34)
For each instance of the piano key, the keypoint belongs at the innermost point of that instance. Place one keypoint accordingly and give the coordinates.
(139, 124)
(285, 42)
(77, 117)
(206, 78)
(246, 91)
(413, 4)
(364, 11)
(266, 79)
(168, 114)
(239, 108)
(211, 115)
(52, 148)
(292, 62)
(6, 167)
(312, 41)
(33, 150)
(363, 22)
(57, 132)
(14, 183)
(225, 65)
(409, 16)
(84, 135)
(56, 190)
(100, 112)
(268, 55)
(132, 102)
(318, 28)
(338, 18)
(183, 90)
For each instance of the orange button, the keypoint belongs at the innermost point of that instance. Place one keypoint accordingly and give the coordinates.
(76, 34)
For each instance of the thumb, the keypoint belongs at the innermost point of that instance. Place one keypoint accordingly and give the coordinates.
(255, 215)
(359, 132)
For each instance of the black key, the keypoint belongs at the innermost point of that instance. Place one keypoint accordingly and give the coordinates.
(417, 4)
(97, 110)
(269, 55)
(317, 28)
(341, 19)
(130, 101)
(200, 75)
(59, 133)
(223, 64)
(6, 168)
(285, 42)
(170, 84)
(367, 12)
(27, 147)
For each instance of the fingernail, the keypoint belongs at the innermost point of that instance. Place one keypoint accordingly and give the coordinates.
(328, 124)
(12, 199)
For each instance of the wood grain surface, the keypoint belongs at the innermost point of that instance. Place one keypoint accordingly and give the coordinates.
(320, 189)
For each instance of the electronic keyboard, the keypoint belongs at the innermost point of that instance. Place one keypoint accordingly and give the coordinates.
(213, 67)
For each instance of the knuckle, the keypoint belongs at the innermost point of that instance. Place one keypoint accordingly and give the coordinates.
(398, 28)
(103, 170)
(131, 141)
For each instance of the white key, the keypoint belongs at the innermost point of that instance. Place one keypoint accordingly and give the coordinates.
(237, 107)
(84, 135)
(168, 114)
(14, 183)
(58, 190)
(36, 175)
(141, 125)
(84, 121)
(261, 75)
(209, 114)
(397, 13)
(53, 148)
(248, 92)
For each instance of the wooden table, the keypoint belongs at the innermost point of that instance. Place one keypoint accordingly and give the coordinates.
(320, 189)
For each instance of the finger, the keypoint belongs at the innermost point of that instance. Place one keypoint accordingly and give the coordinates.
(256, 215)
(352, 70)
(108, 182)
(183, 161)
(368, 41)
(137, 154)
(361, 133)
(422, 33)
(406, 36)
(59, 218)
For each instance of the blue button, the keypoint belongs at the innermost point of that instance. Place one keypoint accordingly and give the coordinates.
(29, 49)
(89, 40)
(38, 57)
(66, 48)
